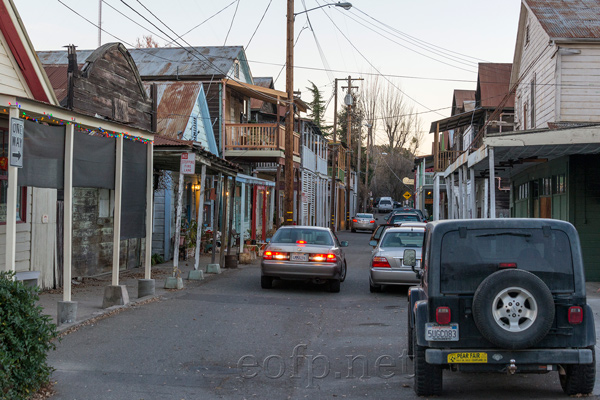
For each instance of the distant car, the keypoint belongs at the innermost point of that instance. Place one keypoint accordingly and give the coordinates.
(387, 267)
(410, 209)
(363, 222)
(385, 204)
(304, 253)
(404, 217)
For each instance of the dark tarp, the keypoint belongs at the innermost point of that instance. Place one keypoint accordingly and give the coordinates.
(133, 203)
(43, 156)
(93, 161)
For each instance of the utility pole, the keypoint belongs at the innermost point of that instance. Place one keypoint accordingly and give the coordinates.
(289, 120)
(348, 100)
(334, 158)
(100, 23)
(356, 208)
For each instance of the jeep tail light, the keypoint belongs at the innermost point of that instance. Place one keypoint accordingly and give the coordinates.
(443, 315)
(507, 265)
(380, 262)
(354, 220)
(275, 255)
(575, 315)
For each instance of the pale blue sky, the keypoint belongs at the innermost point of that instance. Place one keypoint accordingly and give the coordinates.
(478, 29)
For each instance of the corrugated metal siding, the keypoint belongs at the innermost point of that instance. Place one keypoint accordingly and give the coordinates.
(176, 101)
(568, 18)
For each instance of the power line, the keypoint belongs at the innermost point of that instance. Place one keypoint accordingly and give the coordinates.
(259, 22)
(232, 19)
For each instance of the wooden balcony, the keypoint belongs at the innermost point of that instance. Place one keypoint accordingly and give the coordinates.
(257, 140)
(445, 158)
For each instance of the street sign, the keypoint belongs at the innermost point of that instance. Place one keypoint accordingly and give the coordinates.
(17, 129)
(406, 195)
(188, 164)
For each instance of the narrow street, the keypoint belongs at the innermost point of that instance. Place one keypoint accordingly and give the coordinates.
(230, 339)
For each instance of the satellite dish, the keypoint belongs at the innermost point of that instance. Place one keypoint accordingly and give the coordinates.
(348, 100)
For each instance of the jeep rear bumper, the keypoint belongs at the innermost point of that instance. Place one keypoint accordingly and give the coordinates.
(536, 356)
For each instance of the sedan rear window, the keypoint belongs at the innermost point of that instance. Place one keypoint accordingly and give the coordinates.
(407, 217)
(385, 202)
(308, 236)
(364, 215)
(402, 239)
(466, 261)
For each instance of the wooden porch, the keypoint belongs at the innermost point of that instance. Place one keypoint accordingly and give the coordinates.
(257, 140)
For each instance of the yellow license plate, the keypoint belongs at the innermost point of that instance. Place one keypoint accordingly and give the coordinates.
(466, 358)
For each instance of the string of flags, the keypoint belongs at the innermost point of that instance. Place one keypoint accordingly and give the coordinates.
(48, 117)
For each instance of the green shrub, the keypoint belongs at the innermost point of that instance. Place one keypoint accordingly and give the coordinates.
(157, 259)
(26, 336)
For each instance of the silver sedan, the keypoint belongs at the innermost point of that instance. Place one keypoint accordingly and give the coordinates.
(304, 253)
(364, 222)
(387, 266)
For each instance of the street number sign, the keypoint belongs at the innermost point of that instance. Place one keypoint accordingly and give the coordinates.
(17, 130)
(406, 195)
(188, 164)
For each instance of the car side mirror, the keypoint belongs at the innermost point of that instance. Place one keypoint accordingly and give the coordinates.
(344, 243)
(410, 258)
(373, 243)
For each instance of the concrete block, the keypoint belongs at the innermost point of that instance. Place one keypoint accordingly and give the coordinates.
(115, 296)
(213, 269)
(146, 287)
(173, 283)
(66, 312)
(196, 275)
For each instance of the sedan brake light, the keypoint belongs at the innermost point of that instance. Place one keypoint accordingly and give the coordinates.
(380, 262)
(275, 255)
(443, 315)
(354, 220)
(575, 315)
(507, 265)
(322, 257)
(372, 221)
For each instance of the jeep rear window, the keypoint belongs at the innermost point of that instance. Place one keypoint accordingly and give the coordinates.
(467, 261)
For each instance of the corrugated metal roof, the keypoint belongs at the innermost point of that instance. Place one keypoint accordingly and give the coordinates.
(166, 61)
(459, 98)
(572, 19)
(493, 83)
(57, 74)
(267, 82)
(176, 101)
(160, 140)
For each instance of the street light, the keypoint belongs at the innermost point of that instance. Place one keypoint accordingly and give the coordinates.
(289, 121)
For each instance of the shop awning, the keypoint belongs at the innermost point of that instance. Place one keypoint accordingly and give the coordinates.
(254, 180)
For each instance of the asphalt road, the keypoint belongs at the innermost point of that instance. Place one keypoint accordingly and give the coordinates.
(229, 339)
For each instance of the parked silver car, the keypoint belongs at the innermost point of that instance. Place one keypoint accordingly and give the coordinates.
(363, 222)
(304, 253)
(387, 266)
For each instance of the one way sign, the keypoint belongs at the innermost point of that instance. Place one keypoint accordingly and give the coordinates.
(17, 129)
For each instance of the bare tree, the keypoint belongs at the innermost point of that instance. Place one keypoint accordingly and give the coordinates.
(401, 124)
(146, 41)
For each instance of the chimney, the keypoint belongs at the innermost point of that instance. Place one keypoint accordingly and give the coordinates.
(72, 73)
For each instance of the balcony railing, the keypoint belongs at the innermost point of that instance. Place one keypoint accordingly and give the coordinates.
(445, 158)
(341, 174)
(258, 137)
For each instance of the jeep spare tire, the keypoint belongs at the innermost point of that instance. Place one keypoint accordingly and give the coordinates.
(513, 309)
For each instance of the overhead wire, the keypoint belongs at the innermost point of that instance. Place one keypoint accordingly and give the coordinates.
(259, 23)
(232, 19)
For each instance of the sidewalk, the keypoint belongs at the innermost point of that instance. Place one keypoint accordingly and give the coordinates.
(89, 293)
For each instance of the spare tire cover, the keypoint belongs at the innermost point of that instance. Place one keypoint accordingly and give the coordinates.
(513, 309)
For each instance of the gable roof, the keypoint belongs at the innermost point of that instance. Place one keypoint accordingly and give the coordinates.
(493, 84)
(23, 54)
(458, 100)
(567, 19)
(266, 82)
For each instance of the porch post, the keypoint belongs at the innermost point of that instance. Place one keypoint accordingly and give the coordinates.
(473, 194)
(117, 294)
(200, 217)
(178, 223)
(223, 224)
(465, 200)
(231, 212)
(485, 198)
(149, 209)
(66, 309)
(492, 183)
(272, 206)
(217, 202)
(436, 196)
(264, 215)
(11, 207)
(460, 194)
(242, 216)
(450, 195)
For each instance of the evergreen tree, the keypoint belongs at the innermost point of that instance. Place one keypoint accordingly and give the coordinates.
(317, 109)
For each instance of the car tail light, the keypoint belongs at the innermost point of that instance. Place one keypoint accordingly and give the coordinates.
(301, 241)
(575, 315)
(507, 265)
(372, 222)
(443, 315)
(322, 257)
(275, 255)
(380, 262)
(354, 220)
